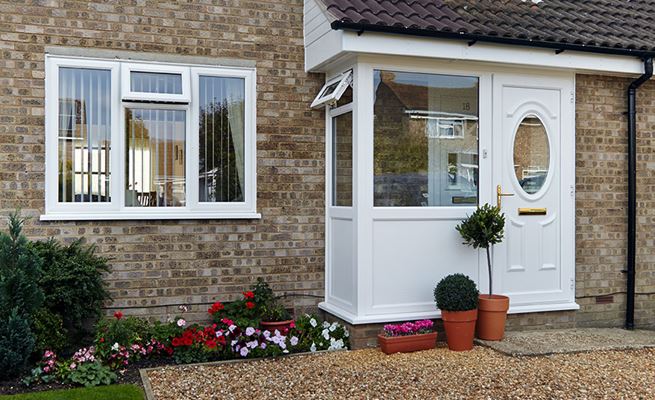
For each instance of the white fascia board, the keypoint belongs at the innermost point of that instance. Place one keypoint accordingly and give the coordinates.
(335, 46)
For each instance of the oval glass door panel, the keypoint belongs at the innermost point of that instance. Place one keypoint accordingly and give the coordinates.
(531, 154)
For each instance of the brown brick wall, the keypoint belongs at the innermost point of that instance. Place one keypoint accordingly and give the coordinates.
(157, 264)
(601, 200)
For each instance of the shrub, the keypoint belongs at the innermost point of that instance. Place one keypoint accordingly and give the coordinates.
(274, 313)
(49, 331)
(456, 292)
(16, 345)
(483, 229)
(20, 269)
(73, 284)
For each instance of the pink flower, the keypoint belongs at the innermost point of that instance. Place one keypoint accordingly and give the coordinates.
(181, 322)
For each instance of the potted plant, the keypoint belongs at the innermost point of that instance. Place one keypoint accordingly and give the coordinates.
(483, 229)
(275, 316)
(407, 337)
(457, 297)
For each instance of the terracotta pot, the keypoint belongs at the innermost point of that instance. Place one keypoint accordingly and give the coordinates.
(407, 344)
(460, 328)
(491, 319)
(273, 325)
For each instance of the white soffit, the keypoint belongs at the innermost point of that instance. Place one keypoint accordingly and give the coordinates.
(332, 47)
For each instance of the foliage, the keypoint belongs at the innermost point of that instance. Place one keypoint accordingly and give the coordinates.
(16, 344)
(72, 282)
(258, 304)
(113, 392)
(483, 229)
(92, 374)
(456, 292)
(274, 313)
(197, 344)
(20, 268)
(314, 336)
(123, 330)
(49, 331)
(408, 328)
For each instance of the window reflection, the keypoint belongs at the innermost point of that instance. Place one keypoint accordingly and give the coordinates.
(531, 154)
(426, 140)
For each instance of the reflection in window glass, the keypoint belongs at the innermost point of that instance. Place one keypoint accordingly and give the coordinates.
(221, 133)
(342, 160)
(426, 140)
(84, 135)
(531, 154)
(155, 157)
(155, 82)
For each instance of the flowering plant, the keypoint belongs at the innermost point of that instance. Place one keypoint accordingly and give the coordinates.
(258, 304)
(196, 344)
(408, 328)
(315, 336)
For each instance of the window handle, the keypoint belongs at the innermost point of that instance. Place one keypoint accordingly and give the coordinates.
(500, 195)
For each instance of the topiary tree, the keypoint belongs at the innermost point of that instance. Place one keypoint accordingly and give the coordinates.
(456, 292)
(483, 229)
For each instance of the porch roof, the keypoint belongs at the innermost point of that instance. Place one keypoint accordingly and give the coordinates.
(603, 26)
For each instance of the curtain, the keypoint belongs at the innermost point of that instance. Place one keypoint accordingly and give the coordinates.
(235, 105)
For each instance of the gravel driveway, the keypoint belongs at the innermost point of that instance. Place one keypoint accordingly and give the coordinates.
(434, 374)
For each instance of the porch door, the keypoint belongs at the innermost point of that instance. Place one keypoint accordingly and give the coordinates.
(533, 117)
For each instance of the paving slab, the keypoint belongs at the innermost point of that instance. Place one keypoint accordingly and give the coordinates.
(545, 342)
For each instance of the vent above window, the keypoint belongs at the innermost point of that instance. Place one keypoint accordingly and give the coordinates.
(332, 91)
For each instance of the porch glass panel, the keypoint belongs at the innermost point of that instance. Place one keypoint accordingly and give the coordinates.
(425, 140)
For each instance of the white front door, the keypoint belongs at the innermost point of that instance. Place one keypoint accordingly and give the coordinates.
(533, 168)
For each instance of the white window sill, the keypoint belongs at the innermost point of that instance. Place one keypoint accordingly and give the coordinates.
(167, 215)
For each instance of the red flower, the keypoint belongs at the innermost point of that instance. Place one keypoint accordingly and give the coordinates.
(211, 344)
(102, 340)
(250, 305)
(221, 340)
(292, 324)
(249, 295)
(216, 307)
(118, 315)
(187, 341)
(175, 342)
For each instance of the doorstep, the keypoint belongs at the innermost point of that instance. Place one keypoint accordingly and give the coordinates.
(558, 341)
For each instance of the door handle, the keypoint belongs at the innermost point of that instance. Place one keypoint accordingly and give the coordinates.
(500, 195)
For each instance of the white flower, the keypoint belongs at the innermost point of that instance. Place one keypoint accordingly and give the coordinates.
(249, 331)
(181, 322)
(244, 351)
(252, 344)
(277, 333)
(282, 345)
(232, 328)
(326, 334)
(313, 347)
(325, 324)
(183, 308)
(267, 334)
(294, 340)
(313, 323)
(345, 333)
(333, 327)
(285, 351)
(115, 347)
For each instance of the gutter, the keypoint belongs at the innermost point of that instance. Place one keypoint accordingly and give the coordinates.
(632, 191)
(472, 38)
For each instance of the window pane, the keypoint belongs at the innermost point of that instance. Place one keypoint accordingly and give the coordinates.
(531, 154)
(221, 134)
(84, 135)
(342, 160)
(155, 157)
(426, 140)
(154, 82)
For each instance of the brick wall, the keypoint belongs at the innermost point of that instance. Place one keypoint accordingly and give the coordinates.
(601, 201)
(158, 264)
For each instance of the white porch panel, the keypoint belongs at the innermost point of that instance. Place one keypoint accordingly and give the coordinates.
(382, 263)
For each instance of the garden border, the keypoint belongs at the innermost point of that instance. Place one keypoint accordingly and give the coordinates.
(147, 388)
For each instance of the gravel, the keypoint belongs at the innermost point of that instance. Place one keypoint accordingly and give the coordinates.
(369, 374)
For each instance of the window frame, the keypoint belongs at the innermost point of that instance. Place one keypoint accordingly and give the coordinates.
(126, 79)
(342, 80)
(116, 208)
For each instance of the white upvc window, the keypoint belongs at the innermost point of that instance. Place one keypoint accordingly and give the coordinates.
(143, 140)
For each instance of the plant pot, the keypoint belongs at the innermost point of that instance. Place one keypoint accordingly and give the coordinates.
(460, 328)
(273, 325)
(491, 319)
(407, 344)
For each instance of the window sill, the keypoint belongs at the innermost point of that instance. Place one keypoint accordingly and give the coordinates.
(123, 216)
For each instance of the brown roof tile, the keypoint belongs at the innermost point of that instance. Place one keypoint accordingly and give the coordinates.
(599, 25)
